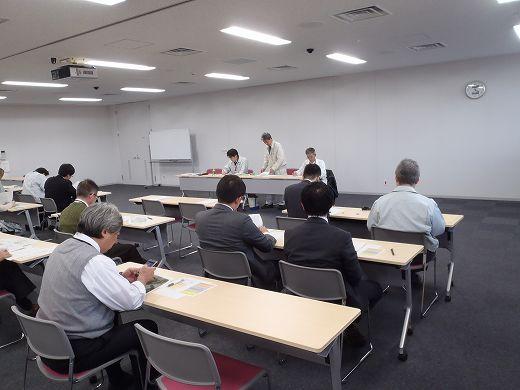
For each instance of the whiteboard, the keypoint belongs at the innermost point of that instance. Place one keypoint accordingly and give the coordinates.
(170, 145)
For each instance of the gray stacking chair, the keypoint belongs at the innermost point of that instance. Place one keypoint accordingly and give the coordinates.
(321, 284)
(59, 237)
(46, 339)
(230, 266)
(188, 213)
(7, 295)
(25, 198)
(287, 223)
(412, 238)
(181, 362)
(49, 208)
(155, 207)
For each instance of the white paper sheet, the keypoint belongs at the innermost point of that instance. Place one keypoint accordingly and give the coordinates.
(358, 245)
(264, 173)
(185, 287)
(372, 249)
(257, 219)
(334, 210)
(277, 234)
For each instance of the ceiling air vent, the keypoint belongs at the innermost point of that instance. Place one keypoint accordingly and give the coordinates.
(357, 15)
(183, 83)
(427, 46)
(283, 67)
(239, 61)
(111, 94)
(181, 51)
(3, 20)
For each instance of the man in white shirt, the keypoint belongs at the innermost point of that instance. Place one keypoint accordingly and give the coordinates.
(311, 159)
(82, 290)
(405, 210)
(236, 165)
(274, 164)
(34, 183)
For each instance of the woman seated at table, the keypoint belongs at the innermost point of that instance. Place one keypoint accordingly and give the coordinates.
(13, 280)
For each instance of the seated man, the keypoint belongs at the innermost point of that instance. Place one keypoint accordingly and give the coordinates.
(34, 183)
(293, 193)
(13, 280)
(69, 219)
(60, 187)
(82, 290)
(311, 159)
(223, 228)
(236, 165)
(405, 210)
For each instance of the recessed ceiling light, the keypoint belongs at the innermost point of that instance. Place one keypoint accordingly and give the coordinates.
(65, 99)
(3, 97)
(226, 76)
(149, 90)
(255, 35)
(106, 2)
(346, 58)
(34, 84)
(118, 65)
(505, 1)
(517, 30)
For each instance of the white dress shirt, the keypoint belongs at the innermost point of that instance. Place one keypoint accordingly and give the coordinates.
(236, 168)
(103, 280)
(318, 162)
(34, 184)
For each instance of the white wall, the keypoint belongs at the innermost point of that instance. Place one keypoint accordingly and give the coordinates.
(47, 136)
(361, 125)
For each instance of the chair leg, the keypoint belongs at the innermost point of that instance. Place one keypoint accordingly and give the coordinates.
(436, 294)
(100, 384)
(267, 380)
(71, 373)
(25, 369)
(371, 349)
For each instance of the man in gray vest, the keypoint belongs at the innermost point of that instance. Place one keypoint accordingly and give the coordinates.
(81, 291)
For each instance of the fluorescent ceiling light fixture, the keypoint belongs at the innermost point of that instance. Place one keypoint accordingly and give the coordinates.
(505, 1)
(3, 97)
(226, 76)
(106, 2)
(118, 65)
(149, 90)
(517, 30)
(33, 84)
(255, 35)
(346, 58)
(66, 99)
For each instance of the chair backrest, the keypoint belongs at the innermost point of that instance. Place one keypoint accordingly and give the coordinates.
(45, 338)
(190, 210)
(59, 237)
(217, 171)
(180, 361)
(25, 198)
(316, 283)
(49, 205)
(290, 171)
(153, 207)
(287, 223)
(225, 265)
(381, 234)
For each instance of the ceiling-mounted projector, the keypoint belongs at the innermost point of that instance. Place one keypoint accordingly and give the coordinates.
(75, 72)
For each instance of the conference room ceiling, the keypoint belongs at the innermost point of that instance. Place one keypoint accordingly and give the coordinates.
(38, 30)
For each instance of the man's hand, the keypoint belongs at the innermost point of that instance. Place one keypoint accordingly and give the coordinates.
(263, 229)
(4, 254)
(146, 274)
(271, 172)
(131, 274)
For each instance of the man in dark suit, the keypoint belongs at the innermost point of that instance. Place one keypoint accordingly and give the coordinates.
(317, 244)
(223, 228)
(60, 187)
(293, 193)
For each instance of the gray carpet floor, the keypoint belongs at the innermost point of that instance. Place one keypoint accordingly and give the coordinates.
(470, 343)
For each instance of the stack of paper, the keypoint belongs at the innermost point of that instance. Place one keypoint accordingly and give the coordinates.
(372, 249)
(277, 234)
(334, 210)
(183, 287)
(257, 219)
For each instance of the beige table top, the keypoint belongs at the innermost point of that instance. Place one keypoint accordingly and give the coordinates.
(13, 188)
(21, 206)
(403, 253)
(140, 221)
(286, 319)
(451, 220)
(175, 200)
(103, 193)
(43, 248)
(13, 178)
(244, 176)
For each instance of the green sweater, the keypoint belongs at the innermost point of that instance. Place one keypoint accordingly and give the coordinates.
(69, 218)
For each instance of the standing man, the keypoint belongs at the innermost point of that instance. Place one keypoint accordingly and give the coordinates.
(236, 165)
(60, 187)
(34, 183)
(311, 159)
(274, 164)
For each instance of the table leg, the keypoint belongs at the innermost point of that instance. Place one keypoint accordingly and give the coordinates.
(160, 243)
(407, 327)
(31, 227)
(335, 365)
(451, 265)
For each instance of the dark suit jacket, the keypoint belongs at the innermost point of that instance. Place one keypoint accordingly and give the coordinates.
(293, 199)
(221, 228)
(318, 244)
(61, 191)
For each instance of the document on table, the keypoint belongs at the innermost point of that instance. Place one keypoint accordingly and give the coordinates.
(277, 234)
(358, 245)
(6, 197)
(183, 287)
(372, 249)
(334, 210)
(264, 173)
(257, 219)
(21, 249)
(135, 219)
(210, 202)
(157, 197)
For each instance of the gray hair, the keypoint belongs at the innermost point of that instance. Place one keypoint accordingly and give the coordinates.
(98, 217)
(407, 172)
(266, 136)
